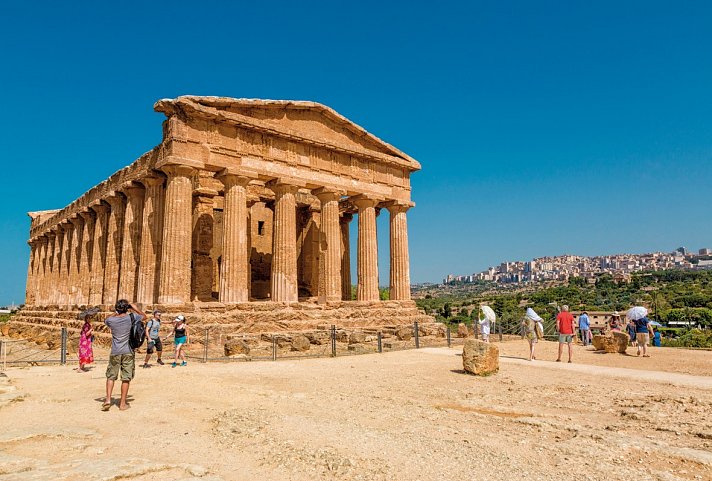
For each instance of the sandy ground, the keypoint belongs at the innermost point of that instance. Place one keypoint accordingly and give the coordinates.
(408, 415)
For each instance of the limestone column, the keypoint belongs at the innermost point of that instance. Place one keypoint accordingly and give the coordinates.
(151, 237)
(331, 243)
(235, 264)
(85, 257)
(114, 243)
(98, 254)
(367, 262)
(174, 287)
(52, 288)
(35, 252)
(65, 264)
(75, 259)
(131, 247)
(344, 222)
(202, 244)
(400, 265)
(284, 286)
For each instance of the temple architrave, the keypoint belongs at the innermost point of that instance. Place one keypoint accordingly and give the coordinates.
(239, 216)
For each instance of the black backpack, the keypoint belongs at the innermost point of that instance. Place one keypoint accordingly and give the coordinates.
(138, 332)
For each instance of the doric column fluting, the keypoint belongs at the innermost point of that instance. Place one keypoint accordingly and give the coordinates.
(330, 240)
(235, 263)
(131, 247)
(174, 287)
(42, 271)
(344, 223)
(114, 242)
(400, 264)
(65, 264)
(35, 254)
(98, 254)
(202, 244)
(151, 238)
(85, 252)
(367, 262)
(284, 286)
(75, 258)
(53, 291)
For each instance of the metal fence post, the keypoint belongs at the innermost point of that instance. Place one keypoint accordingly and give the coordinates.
(475, 326)
(500, 331)
(274, 348)
(63, 353)
(3, 353)
(449, 340)
(380, 343)
(205, 346)
(417, 337)
(333, 340)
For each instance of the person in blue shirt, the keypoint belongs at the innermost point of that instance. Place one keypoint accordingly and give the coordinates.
(584, 324)
(642, 335)
(656, 338)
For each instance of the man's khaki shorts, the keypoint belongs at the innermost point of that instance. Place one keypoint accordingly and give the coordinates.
(642, 338)
(121, 362)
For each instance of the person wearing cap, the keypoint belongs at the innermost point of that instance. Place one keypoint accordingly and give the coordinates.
(153, 328)
(180, 337)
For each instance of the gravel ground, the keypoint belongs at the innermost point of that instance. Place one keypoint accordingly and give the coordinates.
(407, 415)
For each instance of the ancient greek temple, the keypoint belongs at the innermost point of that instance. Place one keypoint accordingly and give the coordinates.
(243, 202)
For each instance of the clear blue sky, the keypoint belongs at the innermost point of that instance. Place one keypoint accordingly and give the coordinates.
(543, 127)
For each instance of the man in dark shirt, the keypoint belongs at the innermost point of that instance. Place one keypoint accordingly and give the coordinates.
(122, 358)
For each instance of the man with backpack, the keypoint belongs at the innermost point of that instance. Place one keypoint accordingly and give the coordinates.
(127, 331)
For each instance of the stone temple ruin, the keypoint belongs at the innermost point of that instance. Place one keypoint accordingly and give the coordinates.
(239, 218)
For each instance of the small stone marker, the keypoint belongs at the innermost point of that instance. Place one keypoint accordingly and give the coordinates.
(480, 358)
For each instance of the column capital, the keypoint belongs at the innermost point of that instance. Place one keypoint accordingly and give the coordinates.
(99, 208)
(132, 190)
(365, 201)
(396, 206)
(229, 176)
(115, 199)
(152, 180)
(76, 220)
(284, 185)
(327, 194)
(178, 170)
(87, 214)
(346, 218)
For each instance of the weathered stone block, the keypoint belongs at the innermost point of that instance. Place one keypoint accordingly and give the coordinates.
(404, 333)
(462, 330)
(480, 358)
(614, 342)
(357, 337)
(234, 347)
(300, 343)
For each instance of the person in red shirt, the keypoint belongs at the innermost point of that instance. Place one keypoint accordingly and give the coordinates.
(566, 326)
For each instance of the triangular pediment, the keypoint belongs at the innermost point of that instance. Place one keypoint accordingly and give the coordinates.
(310, 121)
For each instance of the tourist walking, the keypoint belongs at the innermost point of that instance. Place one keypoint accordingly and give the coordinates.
(153, 327)
(585, 328)
(530, 330)
(642, 335)
(86, 350)
(566, 326)
(122, 359)
(180, 338)
(615, 323)
(630, 328)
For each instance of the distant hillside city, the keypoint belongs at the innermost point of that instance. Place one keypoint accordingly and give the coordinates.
(561, 268)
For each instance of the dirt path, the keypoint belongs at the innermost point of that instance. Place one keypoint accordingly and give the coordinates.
(409, 415)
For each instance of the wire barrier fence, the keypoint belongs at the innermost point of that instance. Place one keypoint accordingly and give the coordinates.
(60, 346)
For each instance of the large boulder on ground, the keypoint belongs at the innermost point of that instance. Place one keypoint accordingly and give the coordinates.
(5, 328)
(357, 337)
(404, 333)
(233, 347)
(462, 330)
(300, 343)
(480, 358)
(613, 342)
